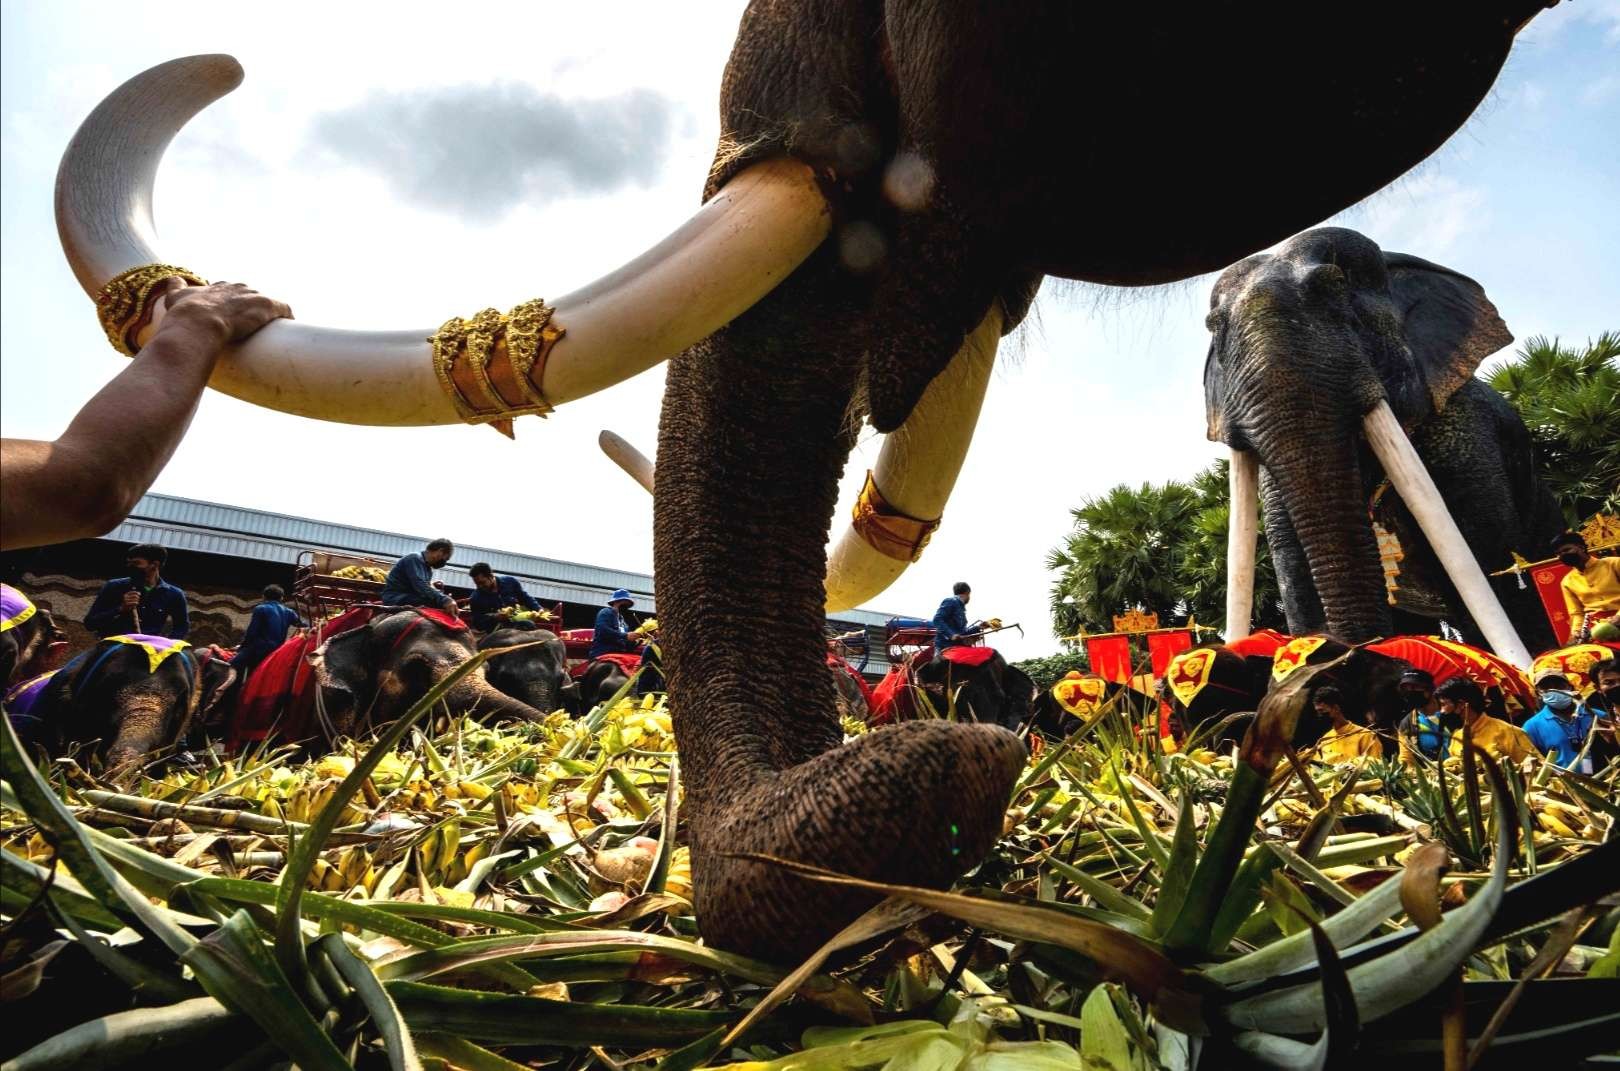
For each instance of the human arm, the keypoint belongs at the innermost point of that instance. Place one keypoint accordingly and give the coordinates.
(107, 612)
(87, 480)
(524, 599)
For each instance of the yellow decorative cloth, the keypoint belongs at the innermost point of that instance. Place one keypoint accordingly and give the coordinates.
(157, 648)
(1293, 654)
(1188, 672)
(1348, 743)
(1499, 740)
(1080, 695)
(1594, 587)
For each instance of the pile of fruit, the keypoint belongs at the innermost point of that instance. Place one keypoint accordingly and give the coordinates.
(370, 573)
(509, 896)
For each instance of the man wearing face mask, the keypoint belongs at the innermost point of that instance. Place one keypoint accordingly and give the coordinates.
(1421, 731)
(1591, 587)
(1559, 729)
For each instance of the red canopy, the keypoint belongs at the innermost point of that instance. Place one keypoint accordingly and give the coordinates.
(1444, 659)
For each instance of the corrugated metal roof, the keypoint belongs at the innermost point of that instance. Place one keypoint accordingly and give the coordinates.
(236, 531)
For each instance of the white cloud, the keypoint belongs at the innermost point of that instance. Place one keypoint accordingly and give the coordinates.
(1601, 89)
(1426, 213)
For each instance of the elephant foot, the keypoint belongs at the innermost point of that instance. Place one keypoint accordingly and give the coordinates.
(915, 804)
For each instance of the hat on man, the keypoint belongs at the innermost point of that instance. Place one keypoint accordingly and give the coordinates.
(1553, 681)
(621, 595)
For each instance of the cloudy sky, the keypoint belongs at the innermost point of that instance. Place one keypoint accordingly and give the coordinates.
(387, 166)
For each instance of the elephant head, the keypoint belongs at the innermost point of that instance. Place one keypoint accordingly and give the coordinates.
(30, 642)
(994, 692)
(534, 673)
(1309, 344)
(134, 694)
(372, 674)
(892, 185)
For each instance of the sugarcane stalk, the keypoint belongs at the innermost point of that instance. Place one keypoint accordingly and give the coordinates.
(191, 815)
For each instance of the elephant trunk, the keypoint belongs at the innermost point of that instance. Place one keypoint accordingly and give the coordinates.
(487, 703)
(1312, 460)
(754, 434)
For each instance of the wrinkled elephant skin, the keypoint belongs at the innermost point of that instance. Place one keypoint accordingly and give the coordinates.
(533, 674)
(1305, 341)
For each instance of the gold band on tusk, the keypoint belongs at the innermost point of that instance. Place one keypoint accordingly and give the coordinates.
(122, 303)
(888, 531)
(526, 336)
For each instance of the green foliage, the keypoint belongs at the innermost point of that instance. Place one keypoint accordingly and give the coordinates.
(1568, 398)
(1047, 671)
(1160, 547)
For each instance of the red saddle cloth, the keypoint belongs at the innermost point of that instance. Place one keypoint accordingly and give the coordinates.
(891, 699)
(623, 659)
(280, 693)
(860, 681)
(1262, 643)
(968, 656)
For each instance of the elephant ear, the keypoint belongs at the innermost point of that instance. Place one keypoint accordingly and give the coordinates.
(1215, 396)
(217, 677)
(1450, 326)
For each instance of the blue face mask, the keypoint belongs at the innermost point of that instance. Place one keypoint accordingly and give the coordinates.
(1559, 702)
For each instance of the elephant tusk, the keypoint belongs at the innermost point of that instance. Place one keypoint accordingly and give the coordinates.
(907, 489)
(1416, 488)
(727, 256)
(635, 463)
(1241, 538)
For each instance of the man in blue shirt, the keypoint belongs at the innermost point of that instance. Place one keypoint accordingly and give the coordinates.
(950, 620)
(494, 594)
(611, 636)
(1560, 727)
(143, 602)
(410, 581)
(267, 629)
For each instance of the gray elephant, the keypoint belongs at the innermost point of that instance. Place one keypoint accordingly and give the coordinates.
(536, 673)
(130, 695)
(30, 642)
(371, 675)
(1306, 342)
(893, 183)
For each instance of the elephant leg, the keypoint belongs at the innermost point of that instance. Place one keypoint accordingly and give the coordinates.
(1302, 606)
(757, 423)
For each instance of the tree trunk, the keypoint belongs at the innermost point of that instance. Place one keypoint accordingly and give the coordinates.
(754, 434)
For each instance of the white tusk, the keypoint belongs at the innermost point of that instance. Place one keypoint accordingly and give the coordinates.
(918, 465)
(636, 464)
(731, 253)
(1416, 488)
(1241, 537)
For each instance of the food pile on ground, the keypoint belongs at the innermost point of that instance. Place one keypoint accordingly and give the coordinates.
(457, 895)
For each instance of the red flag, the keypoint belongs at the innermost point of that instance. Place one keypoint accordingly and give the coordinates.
(1110, 657)
(1162, 646)
(1549, 582)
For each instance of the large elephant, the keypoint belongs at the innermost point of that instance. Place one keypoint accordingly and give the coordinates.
(992, 692)
(893, 183)
(370, 675)
(536, 673)
(130, 695)
(1305, 342)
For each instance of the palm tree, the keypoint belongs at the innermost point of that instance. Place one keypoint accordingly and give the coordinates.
(1570, 400)
(1124, 552)
(1203, 558)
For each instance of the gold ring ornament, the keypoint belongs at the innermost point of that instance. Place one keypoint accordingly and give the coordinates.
(123, 304)
(498, 357)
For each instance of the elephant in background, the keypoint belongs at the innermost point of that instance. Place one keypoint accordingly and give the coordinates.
(536, 673)
(113, 695)
(30, 642)
(1304, 343)
(371, 675)
(893, 183)
(994, 692)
